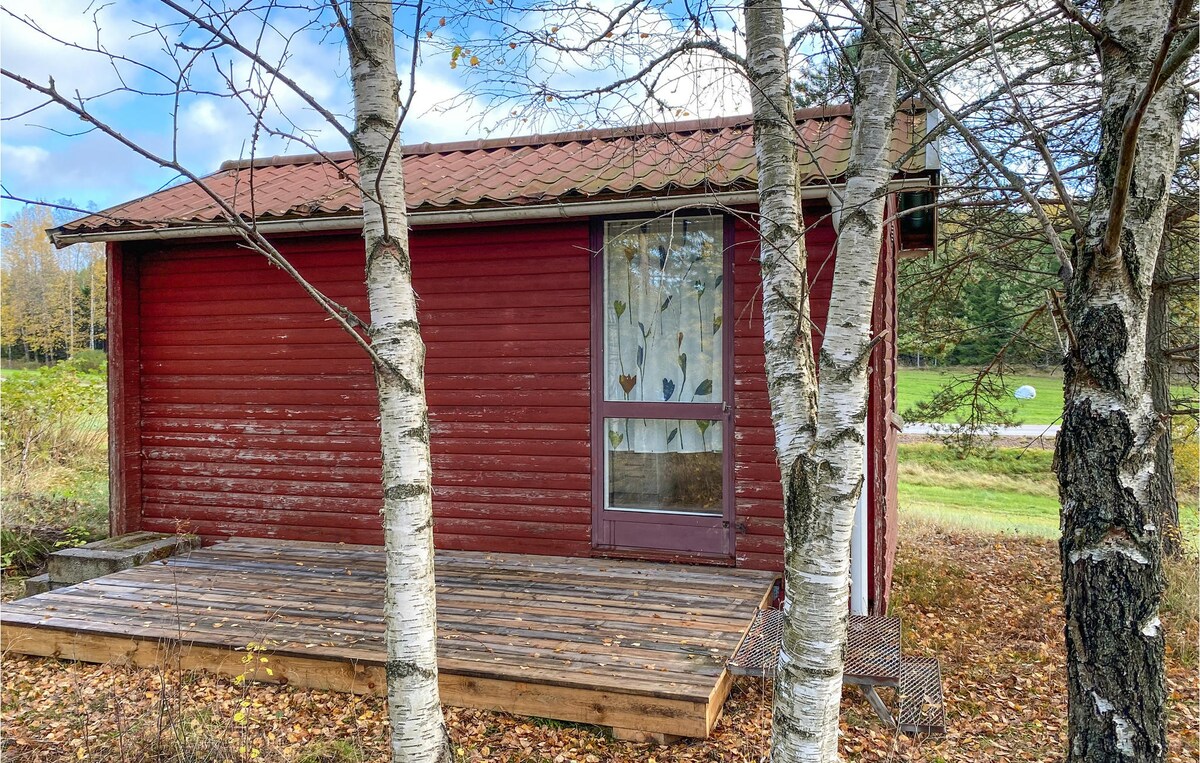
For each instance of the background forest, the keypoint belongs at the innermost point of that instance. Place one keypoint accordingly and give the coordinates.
(51, 301)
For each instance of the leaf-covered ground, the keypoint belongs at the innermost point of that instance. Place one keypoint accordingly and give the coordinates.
(986, 605)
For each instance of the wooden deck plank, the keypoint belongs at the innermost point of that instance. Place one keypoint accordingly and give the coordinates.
(724, 599)
(685, 631)
(633, 645)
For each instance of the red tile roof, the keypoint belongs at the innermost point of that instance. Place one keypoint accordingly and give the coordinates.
(684, 157)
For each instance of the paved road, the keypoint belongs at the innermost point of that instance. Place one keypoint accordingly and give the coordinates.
(1024, 430)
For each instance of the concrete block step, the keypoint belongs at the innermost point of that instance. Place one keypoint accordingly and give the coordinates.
(69, 566)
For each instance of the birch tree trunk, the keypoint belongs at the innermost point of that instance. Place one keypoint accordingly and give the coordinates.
(788, 349)
(410, 619)
(1158, 332)
(91, 301)
(819, 443)
(1111, 547)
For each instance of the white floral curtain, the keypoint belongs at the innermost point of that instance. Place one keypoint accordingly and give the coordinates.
(663, 338)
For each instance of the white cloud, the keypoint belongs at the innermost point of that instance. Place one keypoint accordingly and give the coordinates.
(449, 105)
(26, 161)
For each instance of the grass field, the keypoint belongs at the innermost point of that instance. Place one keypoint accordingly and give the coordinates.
(1002, 490)
(915, 385)
(55, 436)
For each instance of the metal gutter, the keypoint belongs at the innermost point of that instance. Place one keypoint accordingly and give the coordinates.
(461, 216)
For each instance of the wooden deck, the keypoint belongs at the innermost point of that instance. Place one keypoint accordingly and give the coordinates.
(631, 645)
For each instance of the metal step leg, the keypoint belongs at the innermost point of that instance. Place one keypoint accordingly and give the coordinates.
(878, 705)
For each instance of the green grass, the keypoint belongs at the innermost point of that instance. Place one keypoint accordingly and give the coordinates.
(915, 385)
(1001, 490)
(11, 366)
(55, 490)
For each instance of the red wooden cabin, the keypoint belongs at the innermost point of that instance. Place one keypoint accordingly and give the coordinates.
(590, 303)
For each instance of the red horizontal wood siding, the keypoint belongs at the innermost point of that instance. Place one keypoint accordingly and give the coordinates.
(883, 430)
(759, 497)
(505, 314)
(759, 504)
(259, 418)
(246, 412)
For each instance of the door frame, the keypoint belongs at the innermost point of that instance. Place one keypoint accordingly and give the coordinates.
(658, 525)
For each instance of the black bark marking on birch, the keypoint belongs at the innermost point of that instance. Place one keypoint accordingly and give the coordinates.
(1112, 125)
(1089, 460)
(781, 719)
(841, 435)
(1101, 341)
(789, 377)
(408, 325)
(375, 123)
(818, 672)
(389, 246)
(1112, 584)
(800, 510)
(1146, 197)
(781, 298)
(1130, 256)
(420, 434)
(403, 669)
(394, 377)
(405, 491)
(858, 219)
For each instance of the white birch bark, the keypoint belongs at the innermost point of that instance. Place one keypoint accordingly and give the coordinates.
(820, 442)
(787, 327)
(1111, 550)
(91, 301)
(787, 335)
(410, 619)
(787, 339)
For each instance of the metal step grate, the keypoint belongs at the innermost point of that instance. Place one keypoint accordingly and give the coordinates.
(922, 706)
(759, 651)
(873, 658)
(873, 650)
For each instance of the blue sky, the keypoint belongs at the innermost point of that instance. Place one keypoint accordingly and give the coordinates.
(44, 155)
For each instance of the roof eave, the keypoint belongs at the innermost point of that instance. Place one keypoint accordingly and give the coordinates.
(582, 208)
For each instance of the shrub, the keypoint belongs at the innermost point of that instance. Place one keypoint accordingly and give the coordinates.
(53, 415)
(1186, 450)
(23, 550)
(90, 361)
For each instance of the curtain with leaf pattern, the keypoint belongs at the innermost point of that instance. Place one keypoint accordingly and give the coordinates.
(663, 338)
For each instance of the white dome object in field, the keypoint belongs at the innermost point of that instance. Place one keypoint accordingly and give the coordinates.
(1025, 392)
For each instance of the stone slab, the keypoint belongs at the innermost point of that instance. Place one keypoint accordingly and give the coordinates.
(69, 566)
(37, 584)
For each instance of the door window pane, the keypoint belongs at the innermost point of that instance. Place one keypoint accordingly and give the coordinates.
(663, 310)
(665, 465)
